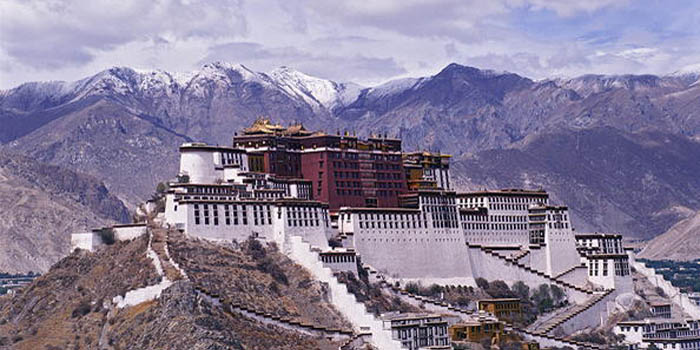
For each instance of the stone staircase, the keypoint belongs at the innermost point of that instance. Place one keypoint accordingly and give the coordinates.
(554, 322)
(528, 269)
(573, 268)
(443, 307)
(521, 254)
(302, 253)
(546, 340)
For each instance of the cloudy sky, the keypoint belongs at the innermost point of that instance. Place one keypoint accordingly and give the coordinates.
(367, 42)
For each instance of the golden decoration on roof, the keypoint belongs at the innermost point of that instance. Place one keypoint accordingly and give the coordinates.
(263, 125)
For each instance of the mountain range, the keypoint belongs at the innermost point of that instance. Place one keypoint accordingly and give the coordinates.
(622, 151)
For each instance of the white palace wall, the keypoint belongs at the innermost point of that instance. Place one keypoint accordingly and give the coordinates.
(560, 251)
(678, 298)
(200, 166)
(492, 268)
(127, 232)
(273, 222)
(85, 240)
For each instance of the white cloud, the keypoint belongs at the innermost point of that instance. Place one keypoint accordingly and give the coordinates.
(363, 41)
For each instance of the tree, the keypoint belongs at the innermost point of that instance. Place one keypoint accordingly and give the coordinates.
(557, 294)
(521, 290)
(482, 283)
(499, 289)
(161, 188)
(542, 298)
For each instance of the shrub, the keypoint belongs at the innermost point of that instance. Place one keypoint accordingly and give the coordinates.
(413, 287)
(435, 290)
(557, 294)
(81, 310)
(482, 283)
(521, 290)
(254, 249)
(499, 289)
(107, 235)
(268, 266)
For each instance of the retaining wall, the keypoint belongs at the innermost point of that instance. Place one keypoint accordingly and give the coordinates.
(673, 293)
(343, 300)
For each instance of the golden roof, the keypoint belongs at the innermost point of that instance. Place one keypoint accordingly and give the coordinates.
(264, 126)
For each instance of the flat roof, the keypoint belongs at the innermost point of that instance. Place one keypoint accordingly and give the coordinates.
(597, 235)
(506, 191)
(403, 210)
(409, 316)
(200, 146)
(498, 300)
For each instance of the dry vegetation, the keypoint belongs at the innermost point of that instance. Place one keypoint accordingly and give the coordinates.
(372, 295)
(70, 307)
(259, 276)
(68, 301)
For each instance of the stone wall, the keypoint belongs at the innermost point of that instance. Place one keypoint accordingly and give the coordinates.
(345, 302)
(492, 268)
(672, 292)
(85, 240)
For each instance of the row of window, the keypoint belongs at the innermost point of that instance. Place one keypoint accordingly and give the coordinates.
(436, 200)
(228, 158)
(508, 206)
(490, 226)
(332, 258)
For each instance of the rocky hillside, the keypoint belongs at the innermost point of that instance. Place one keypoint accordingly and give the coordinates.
(124, 126)
(71, 307)
(636, 183)
(680, 242)
(40, 205)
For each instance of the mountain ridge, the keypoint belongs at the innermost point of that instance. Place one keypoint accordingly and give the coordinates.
(124, 125)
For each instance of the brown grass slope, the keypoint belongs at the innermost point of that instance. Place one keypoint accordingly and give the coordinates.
(260, 277)
(70, 306)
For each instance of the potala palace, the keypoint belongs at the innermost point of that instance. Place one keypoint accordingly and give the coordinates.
(343, 203)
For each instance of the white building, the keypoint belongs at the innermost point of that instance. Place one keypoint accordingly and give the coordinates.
(606, 261)
(92, 240)
(662, 333)
(418, 331)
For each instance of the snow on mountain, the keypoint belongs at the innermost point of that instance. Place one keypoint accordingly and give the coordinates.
(395, 86)
(315, 91)
(692, 69)
(689, 73)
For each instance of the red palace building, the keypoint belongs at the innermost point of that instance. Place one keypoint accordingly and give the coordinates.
(344, 170)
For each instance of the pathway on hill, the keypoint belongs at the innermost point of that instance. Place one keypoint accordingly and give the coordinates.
(237, 309)
(140, 295)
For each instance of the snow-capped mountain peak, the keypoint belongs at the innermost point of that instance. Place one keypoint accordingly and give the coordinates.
(315, 91)
(692, 69)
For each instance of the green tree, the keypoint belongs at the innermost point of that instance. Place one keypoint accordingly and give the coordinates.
(542, 298)
(521, 290)
(499, 289)
(557, 294)
(482, 283)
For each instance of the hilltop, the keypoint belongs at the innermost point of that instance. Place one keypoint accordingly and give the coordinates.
(73, 307)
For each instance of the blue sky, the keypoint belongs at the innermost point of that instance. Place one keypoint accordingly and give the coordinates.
(360, 41)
